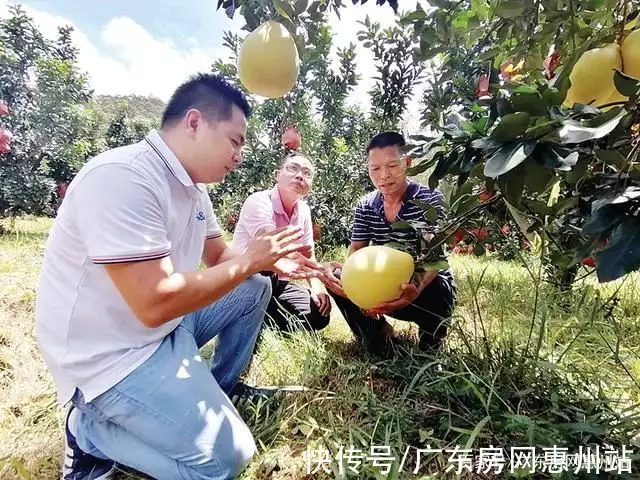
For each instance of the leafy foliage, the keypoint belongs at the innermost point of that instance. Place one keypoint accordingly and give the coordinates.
(43, 88)
(333, 132)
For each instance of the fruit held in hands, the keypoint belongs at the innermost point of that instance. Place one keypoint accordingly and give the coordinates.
(373, 275)
(268, 62)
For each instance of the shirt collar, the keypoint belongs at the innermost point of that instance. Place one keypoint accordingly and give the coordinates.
(409, 194)
(278, 206)
(154, 140)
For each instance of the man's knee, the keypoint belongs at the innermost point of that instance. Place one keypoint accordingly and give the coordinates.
(228, 464)
(260, 286)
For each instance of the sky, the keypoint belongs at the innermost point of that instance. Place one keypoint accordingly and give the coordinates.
(149, 47)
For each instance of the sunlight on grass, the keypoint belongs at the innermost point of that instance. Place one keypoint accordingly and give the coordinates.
(524, 364)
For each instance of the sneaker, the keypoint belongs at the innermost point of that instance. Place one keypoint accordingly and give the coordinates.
(79, 465)
(242, 392)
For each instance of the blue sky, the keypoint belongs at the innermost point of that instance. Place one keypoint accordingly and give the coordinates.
(162, 18)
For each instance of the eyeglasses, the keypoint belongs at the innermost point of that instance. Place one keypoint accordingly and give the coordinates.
(294, 168)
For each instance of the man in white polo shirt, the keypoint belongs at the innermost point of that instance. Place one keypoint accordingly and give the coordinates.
(122, 308)
(292, 306)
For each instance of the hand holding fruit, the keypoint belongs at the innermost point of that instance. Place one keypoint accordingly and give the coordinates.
(409, 293)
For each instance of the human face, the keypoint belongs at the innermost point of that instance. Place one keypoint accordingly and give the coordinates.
(388, 170)
(217, 147)
(296, 176)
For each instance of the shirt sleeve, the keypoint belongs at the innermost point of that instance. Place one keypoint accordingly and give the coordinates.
(361, 231)
(256, 214)
(308, 226)
(213, 226)
(120, 217)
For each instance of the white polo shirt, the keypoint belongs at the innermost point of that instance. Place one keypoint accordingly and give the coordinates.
(128, 204)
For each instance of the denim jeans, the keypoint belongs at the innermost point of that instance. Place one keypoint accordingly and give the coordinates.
(171, 418)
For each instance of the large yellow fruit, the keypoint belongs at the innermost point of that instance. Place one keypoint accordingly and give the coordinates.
(268, 62)
(373, 275)
(592, 76)
(616, 96)
(631, 55)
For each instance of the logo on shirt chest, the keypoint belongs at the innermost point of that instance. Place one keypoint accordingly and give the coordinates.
(200, 216)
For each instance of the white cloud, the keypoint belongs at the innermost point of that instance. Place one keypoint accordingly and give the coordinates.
(132, 60)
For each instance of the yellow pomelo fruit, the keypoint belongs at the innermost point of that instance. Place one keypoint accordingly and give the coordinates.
(373, 275)
(631, 55)
(268, 62)
(592, 75)
(616, 96)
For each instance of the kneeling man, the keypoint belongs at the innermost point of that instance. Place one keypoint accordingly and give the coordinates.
(292, 306)
(429, 303)
(122, 307)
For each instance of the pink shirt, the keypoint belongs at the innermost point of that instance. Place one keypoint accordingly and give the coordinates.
(264, 209)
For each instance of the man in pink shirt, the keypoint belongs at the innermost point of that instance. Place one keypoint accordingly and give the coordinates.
(292, 306)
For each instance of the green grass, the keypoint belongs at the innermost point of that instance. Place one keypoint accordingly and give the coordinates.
(523, 365)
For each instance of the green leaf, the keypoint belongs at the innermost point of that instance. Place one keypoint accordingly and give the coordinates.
(526, 89)
(508, 157)
(622, 253)
(523, 221)
(539, 208)
(601, 221)
(424, 165)
(553, 97)
(537, 177)
(573, 132)
(511, 184)
(430, 212)
(612, 157)
(510, 8)
(578, 172)
(626, 85)
(486, 143)
(284, 9)
(436, 265)
(530, 103)
(511, 126)
(300, 6)
(555, 157)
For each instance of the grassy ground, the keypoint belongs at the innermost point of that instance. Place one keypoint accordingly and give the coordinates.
(524, 366)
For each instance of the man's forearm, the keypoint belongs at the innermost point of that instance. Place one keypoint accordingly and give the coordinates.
(182, 293)
(316, 285)
(426, 279)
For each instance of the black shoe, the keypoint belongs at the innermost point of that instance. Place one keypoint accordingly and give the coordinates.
(79, 465)
(242, 392)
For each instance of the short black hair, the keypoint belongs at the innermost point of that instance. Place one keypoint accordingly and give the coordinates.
(386, 139)
(210, 94)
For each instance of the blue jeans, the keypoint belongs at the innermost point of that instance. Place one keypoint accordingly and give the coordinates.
(171, 418)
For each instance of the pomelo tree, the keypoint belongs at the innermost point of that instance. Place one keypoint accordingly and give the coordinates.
(333, 130)
(43, 92)
(505, 113)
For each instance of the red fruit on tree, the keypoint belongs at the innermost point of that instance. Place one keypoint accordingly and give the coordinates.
(291, 139)
(485, 195)
(5, 140)
(482, 88)
(61, 189)
(550, 64)
(4, 109)
(589, 262)
(457, 237)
